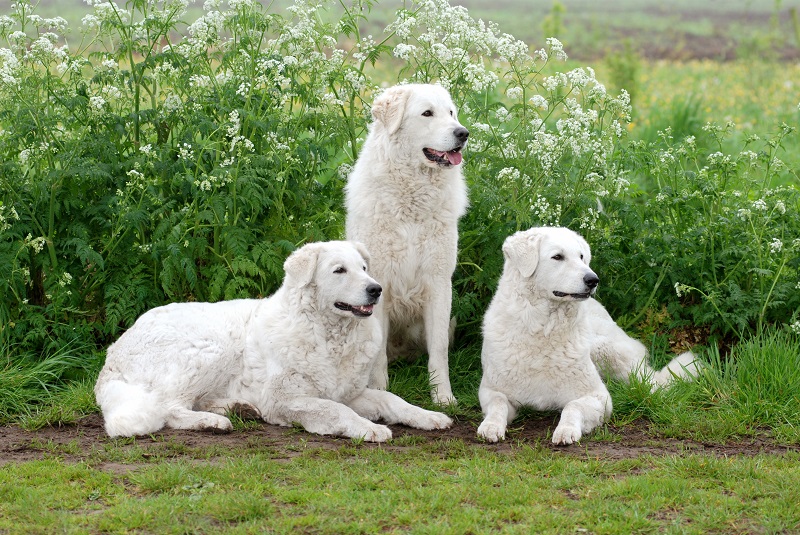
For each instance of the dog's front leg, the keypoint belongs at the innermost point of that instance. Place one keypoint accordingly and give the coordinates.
(499, 413)
(379, 373)
(325, 417)
(392, 409)
(437, 333)
(581, 416)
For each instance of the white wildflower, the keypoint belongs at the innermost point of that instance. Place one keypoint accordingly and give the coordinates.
(404, 51)
(185, 151)
(514, 93)
(539, 102)
(97, 103)
(681, 289)
(775, 246)
(172, 104)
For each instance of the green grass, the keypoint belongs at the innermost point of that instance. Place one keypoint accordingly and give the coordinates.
(437, 487)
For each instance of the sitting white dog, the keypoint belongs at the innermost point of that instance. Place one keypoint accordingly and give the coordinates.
(303, 356)
(546, 340)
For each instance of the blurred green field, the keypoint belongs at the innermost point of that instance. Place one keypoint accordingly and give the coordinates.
(657, 29)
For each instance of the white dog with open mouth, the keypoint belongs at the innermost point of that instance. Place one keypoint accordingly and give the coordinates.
(546, 340)
(302, 356)
(404, 198)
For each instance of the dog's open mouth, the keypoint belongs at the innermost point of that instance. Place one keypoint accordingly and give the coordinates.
(585, 295)
(362, 311)
(445, 158)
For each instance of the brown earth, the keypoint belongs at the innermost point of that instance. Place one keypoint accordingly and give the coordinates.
(84, 441)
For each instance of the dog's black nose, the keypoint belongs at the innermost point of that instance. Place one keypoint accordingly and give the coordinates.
(461, 134)
(591, 280)
(374, 290)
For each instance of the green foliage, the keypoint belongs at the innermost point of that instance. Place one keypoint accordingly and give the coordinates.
(553, 23)
(31, 385)
(623, 69)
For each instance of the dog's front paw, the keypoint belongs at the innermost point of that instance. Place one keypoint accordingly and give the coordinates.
(443, 397)
(433, 420)
(376, 433)
(492, 432)
(565, 435)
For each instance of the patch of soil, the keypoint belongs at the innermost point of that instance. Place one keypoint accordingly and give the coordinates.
(82, 442)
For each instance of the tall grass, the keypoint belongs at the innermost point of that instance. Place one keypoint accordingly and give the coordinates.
(753, 391)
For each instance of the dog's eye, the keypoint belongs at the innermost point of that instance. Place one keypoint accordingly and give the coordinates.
(365, 268)
(558, 257)
(581, 257)
(427, 113)
(451, 113)
(340, 270)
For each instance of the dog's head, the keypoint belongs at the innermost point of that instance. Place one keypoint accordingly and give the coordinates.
(422, 118)
(337, 270)
(552, 262)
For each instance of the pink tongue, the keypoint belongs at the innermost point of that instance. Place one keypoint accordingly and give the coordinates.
(453, 157)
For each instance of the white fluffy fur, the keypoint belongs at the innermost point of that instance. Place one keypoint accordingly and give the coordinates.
(406, 208)
(546, 340)
(296, 356)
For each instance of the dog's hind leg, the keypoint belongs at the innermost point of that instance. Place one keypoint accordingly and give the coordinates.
(128, 409)
(499, 413)
(183, 418)
(580, 416)
(243, 409)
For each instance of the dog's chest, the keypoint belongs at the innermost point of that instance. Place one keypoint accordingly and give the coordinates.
(344, 368)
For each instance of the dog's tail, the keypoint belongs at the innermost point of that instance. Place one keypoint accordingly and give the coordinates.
(128, 409)
(684, 366)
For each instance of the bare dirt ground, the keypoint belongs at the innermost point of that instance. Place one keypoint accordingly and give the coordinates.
(81, 442)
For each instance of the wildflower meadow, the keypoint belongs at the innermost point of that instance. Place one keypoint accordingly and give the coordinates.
(147, 158)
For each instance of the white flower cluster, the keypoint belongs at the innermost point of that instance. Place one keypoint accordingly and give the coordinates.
(7, 214)
(447, 36)
(547, 214)
(9, 68)
(238, 143)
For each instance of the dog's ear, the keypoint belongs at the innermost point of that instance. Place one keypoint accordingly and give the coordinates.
(389, 107)
(301, 265)
(362, 250)
(521, 251)
(586, 250)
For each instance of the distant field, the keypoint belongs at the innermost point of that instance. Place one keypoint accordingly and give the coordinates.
(656, 29)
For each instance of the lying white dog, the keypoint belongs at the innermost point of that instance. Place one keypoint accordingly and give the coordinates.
(302, 355)
(546, 340)
(404, 198)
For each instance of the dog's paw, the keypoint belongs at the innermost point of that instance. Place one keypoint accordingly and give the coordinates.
(443, 397)
(564, 435)
(376, 433)
(216, 424)
(245, 411)
(492, 432)
(433, 420)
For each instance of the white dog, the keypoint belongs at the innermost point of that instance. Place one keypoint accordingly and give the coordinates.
(546, 340)
(404, 198)
(302, 355)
